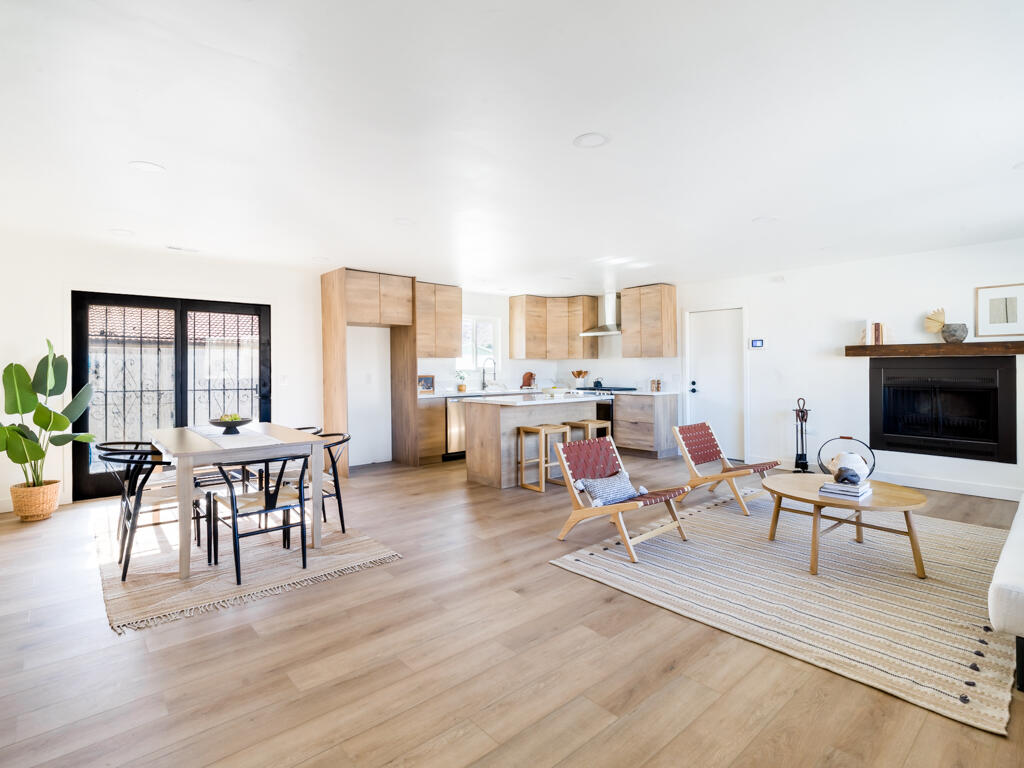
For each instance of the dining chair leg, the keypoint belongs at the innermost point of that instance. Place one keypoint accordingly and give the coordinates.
(235, 542)
(216, 530)
(209, 528)
(131, 537)
(341, 510)
(286, 532)
(323, 506)
(302, 533)
(195, 518)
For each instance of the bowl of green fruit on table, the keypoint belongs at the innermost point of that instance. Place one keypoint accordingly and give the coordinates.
(230, 422)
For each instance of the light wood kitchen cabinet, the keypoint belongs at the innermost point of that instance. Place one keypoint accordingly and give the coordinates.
(527, 328)
(430, 428)
(395, 300)
(376, 299)
(582, 315)
(362, 297)
(649, 321)
(557, 329)
(643, 423)
(630, 315)
(426, 319)
(447, 321)
(438, 320)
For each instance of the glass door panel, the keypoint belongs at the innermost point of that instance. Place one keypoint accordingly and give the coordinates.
(223, 365)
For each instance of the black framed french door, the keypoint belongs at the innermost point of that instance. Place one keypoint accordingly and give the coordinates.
(162, 362)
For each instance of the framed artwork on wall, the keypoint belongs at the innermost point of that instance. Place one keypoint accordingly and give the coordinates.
(999, 310)
(425, 385)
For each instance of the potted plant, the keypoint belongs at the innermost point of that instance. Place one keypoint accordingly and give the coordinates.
(36, 498)
(460, 376)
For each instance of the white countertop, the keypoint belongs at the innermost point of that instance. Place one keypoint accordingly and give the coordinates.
(478, 393)
(538, 399)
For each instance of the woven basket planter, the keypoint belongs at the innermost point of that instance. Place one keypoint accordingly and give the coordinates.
(35, 502)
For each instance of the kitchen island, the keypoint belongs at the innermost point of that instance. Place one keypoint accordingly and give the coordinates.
(492, 430)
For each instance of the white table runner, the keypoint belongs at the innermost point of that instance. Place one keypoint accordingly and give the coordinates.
(244, 439)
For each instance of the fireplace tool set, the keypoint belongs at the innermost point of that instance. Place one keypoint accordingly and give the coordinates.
(800, 463)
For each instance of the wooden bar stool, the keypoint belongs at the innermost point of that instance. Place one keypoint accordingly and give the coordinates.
(589, 427)
(543, 461)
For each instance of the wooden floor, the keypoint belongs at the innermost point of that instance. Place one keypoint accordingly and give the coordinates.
(470, 650)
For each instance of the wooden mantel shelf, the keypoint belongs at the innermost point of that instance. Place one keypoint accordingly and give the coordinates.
(965, 349)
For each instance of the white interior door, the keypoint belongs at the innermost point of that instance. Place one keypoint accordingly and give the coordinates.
(714, 389)
(369, 394)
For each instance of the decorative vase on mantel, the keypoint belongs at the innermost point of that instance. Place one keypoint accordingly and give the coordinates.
(951, 333)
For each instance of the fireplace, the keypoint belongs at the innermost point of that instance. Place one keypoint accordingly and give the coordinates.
(945, 406)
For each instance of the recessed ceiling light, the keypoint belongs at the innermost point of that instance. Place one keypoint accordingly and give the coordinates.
(764, 220)
(319, 259)
(1017, 166)
(147, 166)
(590, 140)
(403, 221)
(121, 232)
(182, 249)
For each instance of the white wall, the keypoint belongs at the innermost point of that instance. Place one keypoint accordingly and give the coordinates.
(39, 275)
(368, 352)
(807, 316)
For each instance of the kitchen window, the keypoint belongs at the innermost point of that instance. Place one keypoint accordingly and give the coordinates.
(479, 341)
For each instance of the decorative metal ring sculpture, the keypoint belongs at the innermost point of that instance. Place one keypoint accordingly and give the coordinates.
(827, 471)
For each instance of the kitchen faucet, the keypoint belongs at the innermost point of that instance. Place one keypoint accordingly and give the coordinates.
(483, 372)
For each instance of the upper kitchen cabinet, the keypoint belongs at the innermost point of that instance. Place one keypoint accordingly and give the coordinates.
(375, 299)
(438, 320)
(557, 328)
(649, 321)
(582, 315)
(527, 327)
(395, 300)
(447, 321)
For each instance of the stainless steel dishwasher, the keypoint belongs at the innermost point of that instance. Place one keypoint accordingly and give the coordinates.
(455, 409)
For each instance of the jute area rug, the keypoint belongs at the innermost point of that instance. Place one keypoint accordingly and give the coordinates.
(153, 593)
(865, 616)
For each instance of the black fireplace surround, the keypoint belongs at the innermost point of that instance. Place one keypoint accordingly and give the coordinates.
(964, 407)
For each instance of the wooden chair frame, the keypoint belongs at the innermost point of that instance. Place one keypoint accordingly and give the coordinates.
(583, 511)
(728, 474)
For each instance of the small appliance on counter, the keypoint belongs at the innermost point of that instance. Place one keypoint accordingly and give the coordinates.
(529, 379)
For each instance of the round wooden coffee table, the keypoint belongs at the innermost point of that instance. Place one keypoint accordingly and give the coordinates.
(884, 497)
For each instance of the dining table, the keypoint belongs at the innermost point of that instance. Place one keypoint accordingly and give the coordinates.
(190, 447)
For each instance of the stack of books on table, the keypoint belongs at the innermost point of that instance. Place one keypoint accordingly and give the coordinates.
(846, 490)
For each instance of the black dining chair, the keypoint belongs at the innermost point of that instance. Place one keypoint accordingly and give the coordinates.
(133, 463)
(264, 502)
(335, 445)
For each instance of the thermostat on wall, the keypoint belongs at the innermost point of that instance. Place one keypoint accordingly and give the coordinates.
(757, 342)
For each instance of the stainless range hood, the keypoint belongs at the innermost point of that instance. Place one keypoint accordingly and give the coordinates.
(608, 317)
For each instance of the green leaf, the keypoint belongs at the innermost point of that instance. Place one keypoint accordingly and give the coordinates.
(51, 377)
(43, 382)
(27, 433)
(21, 450)
(67, 437)
(79, 403)
(3, 438)
(49, 420)
(18, 394)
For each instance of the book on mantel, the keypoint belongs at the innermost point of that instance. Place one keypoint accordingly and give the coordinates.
(846, 490)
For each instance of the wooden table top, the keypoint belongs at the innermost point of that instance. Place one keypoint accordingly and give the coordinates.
(883, 496)
(183, 441)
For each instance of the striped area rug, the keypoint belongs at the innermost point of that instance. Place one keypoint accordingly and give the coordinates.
(865, 616)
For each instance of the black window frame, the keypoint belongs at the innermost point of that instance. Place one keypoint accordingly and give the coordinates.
(88, 486)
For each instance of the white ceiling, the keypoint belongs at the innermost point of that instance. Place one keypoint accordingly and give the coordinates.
(435, 138)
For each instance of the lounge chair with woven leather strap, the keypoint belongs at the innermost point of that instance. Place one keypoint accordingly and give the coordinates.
(698, 444)
(593, 467)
